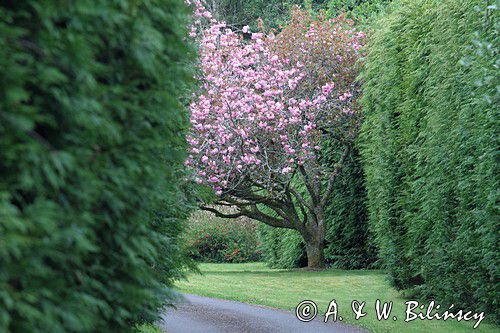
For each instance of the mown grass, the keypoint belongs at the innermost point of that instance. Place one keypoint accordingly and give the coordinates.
(255, 283)
(148, 328)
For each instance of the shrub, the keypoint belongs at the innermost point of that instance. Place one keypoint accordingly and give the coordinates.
(213, 239)
(430, 142)
(90, 143)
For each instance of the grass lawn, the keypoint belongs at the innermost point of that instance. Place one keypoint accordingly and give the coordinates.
(257, 284)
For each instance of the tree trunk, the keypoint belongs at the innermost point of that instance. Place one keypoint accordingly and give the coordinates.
(315, 254)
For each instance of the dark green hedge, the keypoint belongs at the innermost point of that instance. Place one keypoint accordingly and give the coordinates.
(349, 244)
(90, 132)
(281, 248)
(430, 143)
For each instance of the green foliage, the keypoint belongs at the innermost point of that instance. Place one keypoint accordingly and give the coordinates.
(213, 239)
(282, 248)
(241, 13)
(430, 143)
(273, 13)
(90, 143)
(276, 13)
(148, 328)
(359, 10)
(348, 241)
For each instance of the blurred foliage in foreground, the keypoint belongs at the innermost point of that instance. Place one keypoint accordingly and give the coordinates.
(91, 141)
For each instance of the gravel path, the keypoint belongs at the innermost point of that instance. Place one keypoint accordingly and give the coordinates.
(196, 314)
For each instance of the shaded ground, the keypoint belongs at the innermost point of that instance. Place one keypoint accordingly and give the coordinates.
(198, 314)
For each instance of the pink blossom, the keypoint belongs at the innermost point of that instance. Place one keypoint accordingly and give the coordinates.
(327, 88)
(255, 115)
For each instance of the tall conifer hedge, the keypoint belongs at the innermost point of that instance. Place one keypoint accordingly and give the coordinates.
(430, 143)
(90, 141)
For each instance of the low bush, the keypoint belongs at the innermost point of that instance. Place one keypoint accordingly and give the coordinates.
(212, 239)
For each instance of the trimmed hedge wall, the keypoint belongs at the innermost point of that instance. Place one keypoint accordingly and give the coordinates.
(90, 143)
(430, 143)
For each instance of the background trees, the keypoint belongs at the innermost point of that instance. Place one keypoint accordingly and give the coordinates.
(430, 142)
(91, 138)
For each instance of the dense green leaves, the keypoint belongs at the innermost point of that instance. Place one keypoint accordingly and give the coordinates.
(90, 146)
(349, 243)
(429, 144)
(275, 13)
(272, 13)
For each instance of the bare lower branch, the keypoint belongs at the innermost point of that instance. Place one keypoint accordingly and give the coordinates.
(301, 200)
(333, 177)
(301, 207)
(274, 205)
(313, 192)
(256, 214)
(220, 214)
(253, 212)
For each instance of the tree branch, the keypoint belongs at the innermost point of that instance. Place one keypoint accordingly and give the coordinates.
(301, 200)
(310, 188)
(333, 176)
(258, 215)
(220, 214)
(301, 207)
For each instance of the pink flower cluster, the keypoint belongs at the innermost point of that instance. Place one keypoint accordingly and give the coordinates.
(248, 119)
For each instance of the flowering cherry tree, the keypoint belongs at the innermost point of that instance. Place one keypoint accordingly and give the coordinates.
(265, 104)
